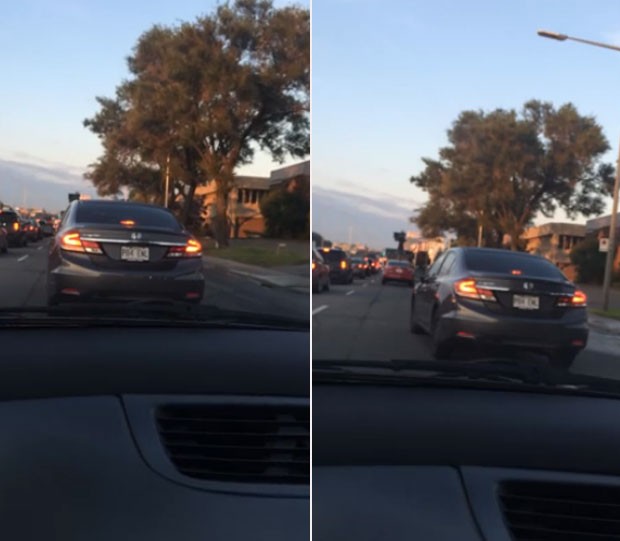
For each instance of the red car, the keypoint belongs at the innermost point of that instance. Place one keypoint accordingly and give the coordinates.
(398, 271)
(320, 273)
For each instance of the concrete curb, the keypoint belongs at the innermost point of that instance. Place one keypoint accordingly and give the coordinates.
(604, 324)
(285, 281)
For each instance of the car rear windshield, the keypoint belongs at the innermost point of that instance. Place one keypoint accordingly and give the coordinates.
(511, 263)
(398, 264)
(333, 255)
(8, 217)
(111, 213)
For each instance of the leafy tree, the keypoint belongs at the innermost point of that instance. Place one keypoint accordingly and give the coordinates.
(287, 211)
(500, 169)
(202, 98)
(590, 262)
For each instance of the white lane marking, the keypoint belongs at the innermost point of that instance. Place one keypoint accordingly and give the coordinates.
(365, 285)
(350, 292)
(22, 258)
(40, 248)
(319, 309)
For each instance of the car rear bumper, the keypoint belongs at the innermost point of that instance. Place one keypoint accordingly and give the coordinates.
(340, 276)
(69, 281)
(397, 278)
(463, 324)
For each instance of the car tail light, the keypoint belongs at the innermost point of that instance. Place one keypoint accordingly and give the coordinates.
(15, 226)
(73, 243)
(469, 289)
(343, 264)
(577, 300)
(313, 265)
(190, 249)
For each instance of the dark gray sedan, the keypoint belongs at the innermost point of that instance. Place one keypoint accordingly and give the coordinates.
(116, 250)
(500, 297)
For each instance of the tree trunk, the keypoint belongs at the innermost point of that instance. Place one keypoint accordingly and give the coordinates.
(189, 199)
(220, 221)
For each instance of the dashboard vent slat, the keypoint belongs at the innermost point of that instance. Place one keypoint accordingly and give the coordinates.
(238, 443)
(554, 511)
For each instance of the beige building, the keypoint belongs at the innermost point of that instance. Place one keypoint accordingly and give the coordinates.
(244, 214)
(555, 242)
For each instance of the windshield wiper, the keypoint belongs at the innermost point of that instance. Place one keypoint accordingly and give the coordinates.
(490, 372)
(141, 313)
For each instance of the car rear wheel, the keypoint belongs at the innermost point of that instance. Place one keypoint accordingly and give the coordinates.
(383, 281)
(441, 349)
(563, 358)
(327, 285)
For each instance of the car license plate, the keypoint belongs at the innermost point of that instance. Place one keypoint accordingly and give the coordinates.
(399, 271)
(526, 302)
(134, 253)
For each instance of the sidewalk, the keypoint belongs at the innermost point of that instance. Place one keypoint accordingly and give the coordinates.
(294, 277)
(595, 300)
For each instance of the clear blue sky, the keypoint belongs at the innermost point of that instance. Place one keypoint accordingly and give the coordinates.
(57, 55)
(390, 76)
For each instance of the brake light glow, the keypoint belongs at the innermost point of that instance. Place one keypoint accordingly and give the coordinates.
(313, 265)
(343, 264)
(72, 242)
(516, 272)
(15, 226)
(191, 249)
(128, 223)
(469, 289)
(578, 300)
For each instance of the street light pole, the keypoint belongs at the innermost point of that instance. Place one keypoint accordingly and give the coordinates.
(611, 251)
(167, 187)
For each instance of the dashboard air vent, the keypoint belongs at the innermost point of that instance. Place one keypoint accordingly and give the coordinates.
(238, 443)
(545, 511)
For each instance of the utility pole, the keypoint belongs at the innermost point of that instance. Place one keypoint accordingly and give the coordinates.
(611, 253)
(167, 187)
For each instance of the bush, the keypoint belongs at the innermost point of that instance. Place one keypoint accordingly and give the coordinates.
(287, 213)
(589, 261)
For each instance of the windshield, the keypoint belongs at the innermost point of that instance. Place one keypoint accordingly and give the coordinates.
(449, 142)
(145, 177)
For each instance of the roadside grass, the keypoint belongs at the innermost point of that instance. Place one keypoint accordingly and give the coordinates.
(261, 252)
(614, 313)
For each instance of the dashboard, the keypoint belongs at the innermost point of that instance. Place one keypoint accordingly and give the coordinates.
(463, 464)
(154, 433)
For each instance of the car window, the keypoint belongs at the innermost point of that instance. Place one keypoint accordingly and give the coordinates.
(398, 264)
(511, 263)
(433, 271)
(334, 255)
(448, 264)
(114, 214)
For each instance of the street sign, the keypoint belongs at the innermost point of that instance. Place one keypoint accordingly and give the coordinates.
(603, 245)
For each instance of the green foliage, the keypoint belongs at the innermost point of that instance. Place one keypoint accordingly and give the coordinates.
(502, 168)
(287, 212)
(589, 261)
(202, 97)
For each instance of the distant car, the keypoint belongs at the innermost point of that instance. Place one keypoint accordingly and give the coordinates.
(500, 297)
(398, 271)
(4, 240)
(47, 228)
(12, 222)
(117, 250)
(360, 267)
(320, 273)
(374, 264)
(33, 230)
(340, 270)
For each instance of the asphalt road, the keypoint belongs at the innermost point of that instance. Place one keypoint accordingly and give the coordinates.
(368, 321)
(22, 284)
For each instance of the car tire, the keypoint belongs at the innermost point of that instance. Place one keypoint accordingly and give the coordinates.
(383, 281)
(413, 326)
(410, 283)
(327, 285)
(563, 358)
(441, 349)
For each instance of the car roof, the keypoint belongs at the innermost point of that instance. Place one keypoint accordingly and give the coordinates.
(89, 202)
(493, 251)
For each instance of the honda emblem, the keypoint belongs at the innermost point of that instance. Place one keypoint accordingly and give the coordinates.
(136, 236)
(528, 285)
